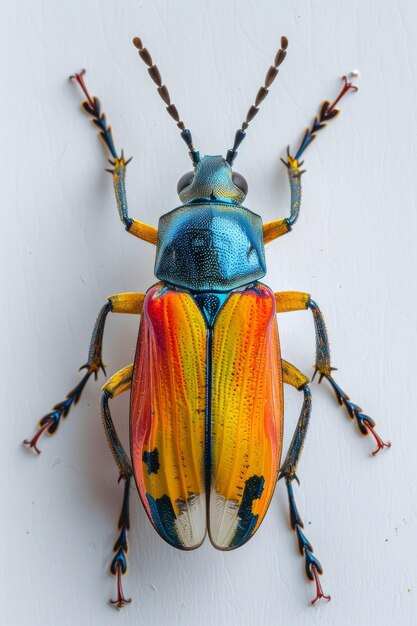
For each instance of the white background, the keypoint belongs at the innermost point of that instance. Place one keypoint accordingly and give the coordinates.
(64, 250)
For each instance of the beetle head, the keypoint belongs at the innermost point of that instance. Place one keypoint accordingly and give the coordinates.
(212, 177)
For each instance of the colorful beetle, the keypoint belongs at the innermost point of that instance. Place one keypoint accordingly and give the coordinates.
(206, 414)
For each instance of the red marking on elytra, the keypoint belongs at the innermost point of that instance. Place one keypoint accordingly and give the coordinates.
(346, 87)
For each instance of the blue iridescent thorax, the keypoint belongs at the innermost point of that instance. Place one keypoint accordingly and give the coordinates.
(210, 245)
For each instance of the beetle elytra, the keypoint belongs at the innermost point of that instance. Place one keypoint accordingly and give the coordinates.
(206, 413)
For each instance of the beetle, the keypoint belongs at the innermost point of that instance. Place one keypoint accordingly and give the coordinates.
(206, 411)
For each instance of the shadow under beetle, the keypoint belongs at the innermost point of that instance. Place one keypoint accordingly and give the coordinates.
(206, 412)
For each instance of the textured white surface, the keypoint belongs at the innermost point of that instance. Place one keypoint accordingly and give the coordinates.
(64, 250)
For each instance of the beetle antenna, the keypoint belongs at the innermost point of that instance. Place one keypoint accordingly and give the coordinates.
(260, 97)
(164, 93)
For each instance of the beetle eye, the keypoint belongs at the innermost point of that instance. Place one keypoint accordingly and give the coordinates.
(184, 181)
(240, 182)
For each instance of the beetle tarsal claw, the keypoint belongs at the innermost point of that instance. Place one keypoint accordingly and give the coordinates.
(121, 600)
(319, 590)
(371, 429)
(31, 444)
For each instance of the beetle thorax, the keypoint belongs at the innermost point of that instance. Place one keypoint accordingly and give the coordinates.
(210, 245)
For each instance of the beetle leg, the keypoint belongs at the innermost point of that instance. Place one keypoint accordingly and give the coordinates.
(118, 383)
(366, 424)
(92, 106)
(313, 568)
(275, 229)
(118, 566)
(327, 112)
(296, 301)
(50, 422)
(119, 303)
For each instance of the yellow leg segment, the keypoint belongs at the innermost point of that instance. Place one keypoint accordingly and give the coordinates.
(118, 303)
(119, 382)
(286, 301)
(127, 302)
(291, 301)
(292, 376)
(275, 229)
(143, 231)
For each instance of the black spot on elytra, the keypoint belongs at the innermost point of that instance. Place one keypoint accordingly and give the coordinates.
(254, 487)
(151, 460)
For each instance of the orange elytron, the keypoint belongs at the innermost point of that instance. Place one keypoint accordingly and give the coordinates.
(223, 467)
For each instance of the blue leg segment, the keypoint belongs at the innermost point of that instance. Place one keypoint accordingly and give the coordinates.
(366, 424)
(322, 363)
(322, 366)
(119, 453)
(289, 467)
(50, 422)
(118, 566)
(294, 177)
(92, 106)
(288, 471)
(313, 567)
(327, 112)
(297, 301)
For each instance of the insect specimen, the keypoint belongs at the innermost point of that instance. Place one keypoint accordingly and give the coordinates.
(206, 412)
